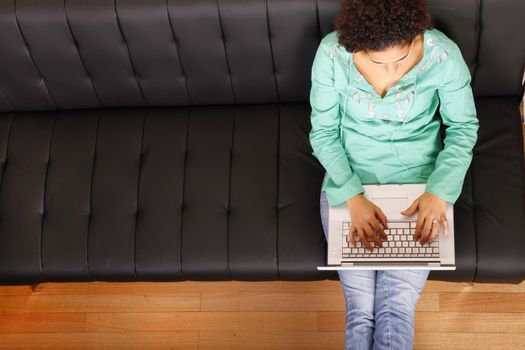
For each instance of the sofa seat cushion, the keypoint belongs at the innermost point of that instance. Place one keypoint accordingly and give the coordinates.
(123, 194)
(499, 191)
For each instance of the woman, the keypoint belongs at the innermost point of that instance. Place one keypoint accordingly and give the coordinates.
(377, 81)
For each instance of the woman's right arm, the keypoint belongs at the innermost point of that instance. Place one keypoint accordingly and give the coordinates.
(342, 182)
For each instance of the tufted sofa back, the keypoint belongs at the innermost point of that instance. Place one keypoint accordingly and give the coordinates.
(70, 54)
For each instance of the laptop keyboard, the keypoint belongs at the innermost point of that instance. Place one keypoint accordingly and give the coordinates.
(400, 243)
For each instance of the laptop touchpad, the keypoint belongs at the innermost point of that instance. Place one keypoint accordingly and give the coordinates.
(391, 202)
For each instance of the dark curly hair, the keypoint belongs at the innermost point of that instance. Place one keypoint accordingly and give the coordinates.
(379, 24)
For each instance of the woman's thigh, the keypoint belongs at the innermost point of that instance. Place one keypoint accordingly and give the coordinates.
(360, 283)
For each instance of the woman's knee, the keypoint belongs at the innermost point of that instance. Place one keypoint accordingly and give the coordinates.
(401, 289)
(414, 279)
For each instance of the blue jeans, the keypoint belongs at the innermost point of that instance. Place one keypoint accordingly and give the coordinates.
(380, 304)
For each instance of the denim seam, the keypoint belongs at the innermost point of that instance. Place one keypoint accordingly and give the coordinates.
(385, 275)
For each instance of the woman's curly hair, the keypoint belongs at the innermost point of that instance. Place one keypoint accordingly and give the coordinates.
(379, 24)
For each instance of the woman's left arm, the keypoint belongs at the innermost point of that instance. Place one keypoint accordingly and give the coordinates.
(458, 113)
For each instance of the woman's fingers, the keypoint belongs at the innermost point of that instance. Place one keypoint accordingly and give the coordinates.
(433, 234)
(366, 231)
(352, 235)
(371, 233)
(362, 236)
(431, 229)
(427, 227)
(384, 225)
(419, 226)
(444, 221)
(382, 217)
(374, 230)
(378, 228)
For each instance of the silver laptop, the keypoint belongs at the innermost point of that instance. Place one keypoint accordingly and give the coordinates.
(400, 251)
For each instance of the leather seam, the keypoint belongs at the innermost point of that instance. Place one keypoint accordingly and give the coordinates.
(137, 80)
(271, 51)
(138, 194)
(183, 192)
(278, 173)
(478, 41)
(225, 52)
(229, 201)
(7, 100)
(80, 56)
(90, 214)
(31, 57)
(178, 53)
(44, 196)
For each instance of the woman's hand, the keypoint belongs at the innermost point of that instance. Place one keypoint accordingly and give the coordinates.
(430, 207)
(364, 221)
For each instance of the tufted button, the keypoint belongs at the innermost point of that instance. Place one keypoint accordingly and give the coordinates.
(430, 42)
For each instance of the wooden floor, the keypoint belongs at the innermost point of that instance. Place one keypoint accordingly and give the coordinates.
(244, 315)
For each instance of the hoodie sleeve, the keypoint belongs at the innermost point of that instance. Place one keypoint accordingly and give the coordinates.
(458, 112)
(342, 182)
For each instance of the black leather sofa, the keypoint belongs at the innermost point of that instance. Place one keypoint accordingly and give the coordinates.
(167, 140)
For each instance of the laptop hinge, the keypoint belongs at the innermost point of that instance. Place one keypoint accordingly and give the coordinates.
(430, 264)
